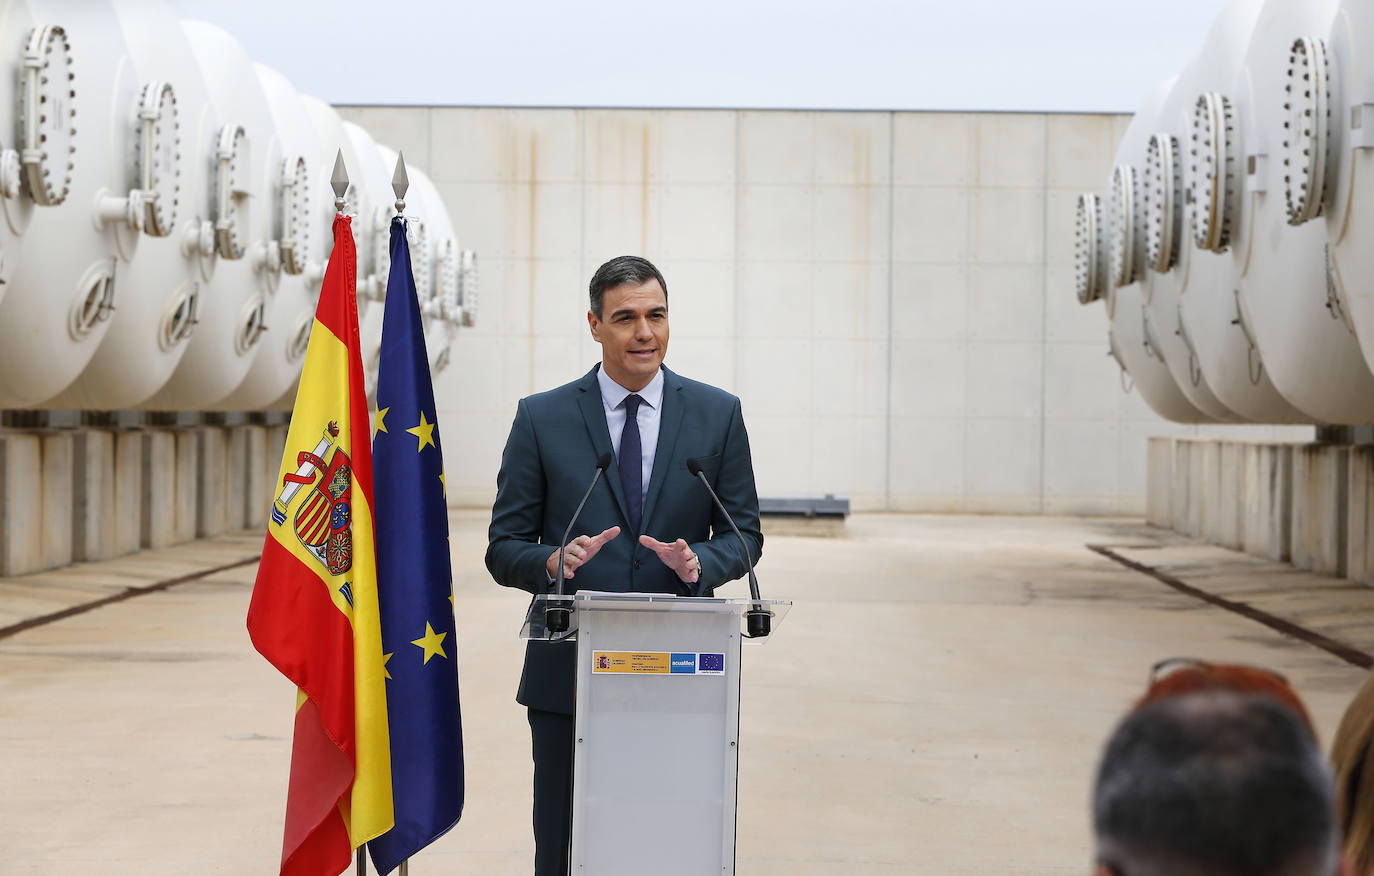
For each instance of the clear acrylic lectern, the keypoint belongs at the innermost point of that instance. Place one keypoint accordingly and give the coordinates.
(656, 745)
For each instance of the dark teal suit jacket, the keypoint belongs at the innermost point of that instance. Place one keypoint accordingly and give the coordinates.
(549, 460)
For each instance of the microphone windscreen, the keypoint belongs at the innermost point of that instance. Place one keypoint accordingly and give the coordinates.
(603, 461)
(694, 466)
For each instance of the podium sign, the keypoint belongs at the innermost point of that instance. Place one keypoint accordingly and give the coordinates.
(656, 745)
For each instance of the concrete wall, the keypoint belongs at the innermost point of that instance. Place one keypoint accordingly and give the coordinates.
(891, 294)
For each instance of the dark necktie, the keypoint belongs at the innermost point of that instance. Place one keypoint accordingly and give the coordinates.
(632, 462)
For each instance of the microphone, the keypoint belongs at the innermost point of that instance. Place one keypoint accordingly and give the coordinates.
(558, 613)
(758, 620)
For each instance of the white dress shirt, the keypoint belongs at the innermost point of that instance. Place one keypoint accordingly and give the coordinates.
(613, 397)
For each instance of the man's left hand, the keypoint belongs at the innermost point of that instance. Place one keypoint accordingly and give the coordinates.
(677, 556)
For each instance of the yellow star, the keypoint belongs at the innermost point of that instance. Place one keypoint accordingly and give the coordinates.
(386, 658)
(424, 431)
(381, 422)
(442, 483)
(433, 643)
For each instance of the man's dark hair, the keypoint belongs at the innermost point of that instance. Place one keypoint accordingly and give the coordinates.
(621, 271)
(1216, 783)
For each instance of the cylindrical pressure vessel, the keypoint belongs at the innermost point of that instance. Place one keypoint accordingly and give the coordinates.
(442, 308)
(1286, 302)
(164, 281)
(1327, 153)
(331, 141)
(434, 260)
(1135, 343)
(99, 141)
(1192, 291)
(231, 311)
(35, 56)
(298, 197)
(1155, 180)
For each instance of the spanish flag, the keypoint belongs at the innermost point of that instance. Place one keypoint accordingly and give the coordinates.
(314, 611)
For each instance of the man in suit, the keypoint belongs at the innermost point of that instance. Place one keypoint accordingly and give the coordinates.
(649, 526)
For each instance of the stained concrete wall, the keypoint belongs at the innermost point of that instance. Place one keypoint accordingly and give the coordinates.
(73, 495)
(891, 294)
(1309, 504)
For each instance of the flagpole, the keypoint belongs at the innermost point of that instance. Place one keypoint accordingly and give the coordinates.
(400, 183)
(362, 861)
(338, 180)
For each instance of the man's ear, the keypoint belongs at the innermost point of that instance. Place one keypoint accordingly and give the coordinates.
(594, 324)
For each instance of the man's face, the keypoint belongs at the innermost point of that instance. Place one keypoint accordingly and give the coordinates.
(632, 332)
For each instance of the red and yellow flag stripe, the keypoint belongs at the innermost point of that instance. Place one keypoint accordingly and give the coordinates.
(314, 612)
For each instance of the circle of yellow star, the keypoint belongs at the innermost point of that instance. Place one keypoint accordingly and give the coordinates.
(433, 643)
(424, 431)
(380, 424)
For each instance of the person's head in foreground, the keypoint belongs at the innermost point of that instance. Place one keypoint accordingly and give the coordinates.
(1214, 783)
(1352, 760)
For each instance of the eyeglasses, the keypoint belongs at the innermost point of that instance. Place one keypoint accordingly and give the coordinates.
(1177, 676)
(1170, 665)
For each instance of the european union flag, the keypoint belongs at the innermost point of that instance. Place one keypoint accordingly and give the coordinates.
(414, 581)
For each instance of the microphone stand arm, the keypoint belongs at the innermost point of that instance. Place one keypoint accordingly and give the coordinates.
(557, 615)
(758, 619)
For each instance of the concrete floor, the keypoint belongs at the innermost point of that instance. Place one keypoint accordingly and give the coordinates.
(933, 704)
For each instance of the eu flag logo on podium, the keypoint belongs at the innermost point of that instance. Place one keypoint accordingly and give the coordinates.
(414, 581)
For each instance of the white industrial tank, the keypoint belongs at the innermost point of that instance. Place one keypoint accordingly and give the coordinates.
(331, 140)
(1328, 153)
(442, 308)
(1287, 304)
(1134, 342)
(34, 145)
(1155, 179)
(162, 285)
(120, 176)
(232, 308)
(373, 233)
(435, 261)
(300, 241)
(1192, 291)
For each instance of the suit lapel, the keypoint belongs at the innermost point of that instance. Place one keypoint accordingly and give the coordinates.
(594, 415)
(669, 423)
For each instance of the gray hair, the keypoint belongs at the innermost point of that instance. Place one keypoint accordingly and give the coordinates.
(1215, 782)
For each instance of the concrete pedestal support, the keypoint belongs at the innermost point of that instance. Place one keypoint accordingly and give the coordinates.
(1360, 538)
(212, 513)
(56, 499)
(255, 488)
(1320, 484)
(240, 472)
(93, 495)
(1268, 501)
(1233, 496)
(21, 526)
(1159, 483)
(159, 488)
(127, 523)
(35, 501)
(1191, 476)
(187, 484)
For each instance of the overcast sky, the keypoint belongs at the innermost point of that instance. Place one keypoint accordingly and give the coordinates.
(1051, 55)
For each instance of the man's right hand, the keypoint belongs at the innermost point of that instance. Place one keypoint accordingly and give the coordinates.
(580, 550)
